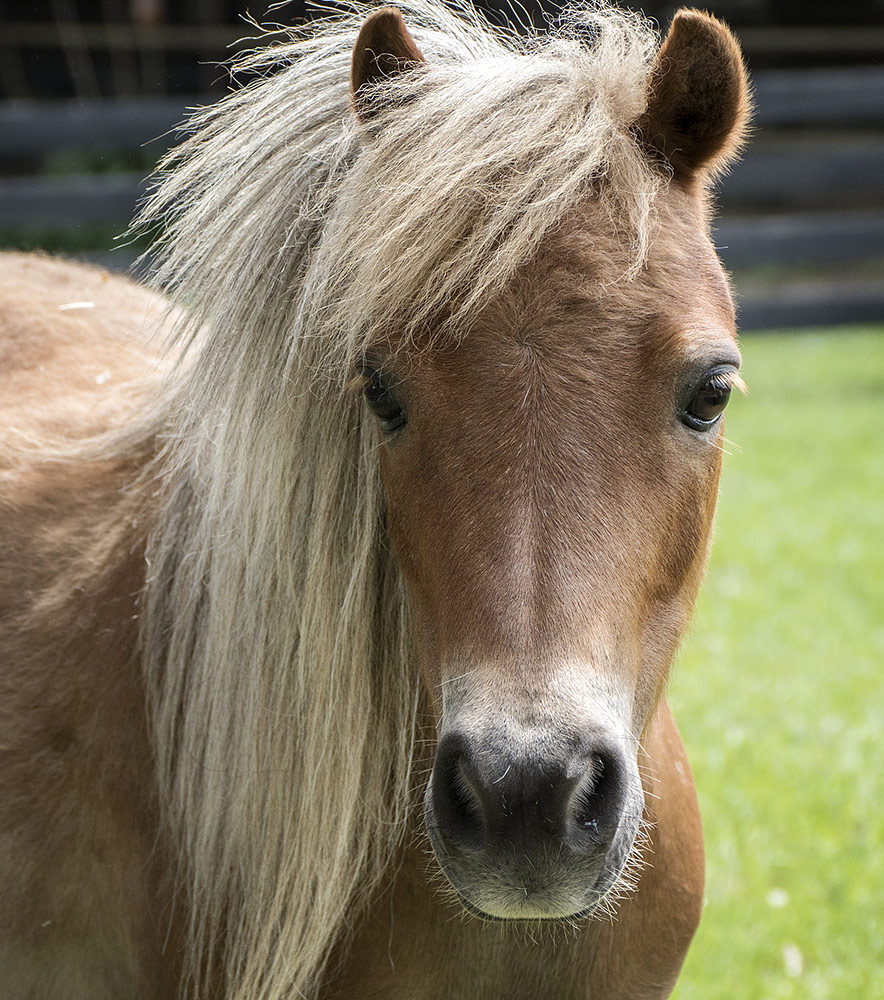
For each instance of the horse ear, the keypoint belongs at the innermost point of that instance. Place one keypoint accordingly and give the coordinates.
(383, 49)
(698, 96)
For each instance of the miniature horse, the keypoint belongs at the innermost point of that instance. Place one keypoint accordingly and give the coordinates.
(335, 634)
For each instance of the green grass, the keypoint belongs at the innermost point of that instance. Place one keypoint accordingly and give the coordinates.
(778, 690)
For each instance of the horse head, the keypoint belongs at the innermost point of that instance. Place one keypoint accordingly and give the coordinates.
(550, 479)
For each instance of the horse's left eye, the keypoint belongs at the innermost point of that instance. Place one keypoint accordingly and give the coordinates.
(382, 402)
(709, 400)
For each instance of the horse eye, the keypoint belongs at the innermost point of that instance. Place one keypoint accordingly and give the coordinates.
(382, 402)
(709, 400)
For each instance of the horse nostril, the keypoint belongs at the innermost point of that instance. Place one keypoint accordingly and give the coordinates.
(479, 801)
(455, 802)
(599, 799)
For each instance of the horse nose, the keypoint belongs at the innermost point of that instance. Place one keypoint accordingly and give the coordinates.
(482, 799)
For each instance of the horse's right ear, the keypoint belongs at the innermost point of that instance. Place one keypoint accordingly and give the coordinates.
(383, 49)
(698, 96)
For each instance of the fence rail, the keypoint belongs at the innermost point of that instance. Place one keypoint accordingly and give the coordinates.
(760, 40)
(801, 238)
(844, 96)
(825, 98)
(802, 173)
(30, 128)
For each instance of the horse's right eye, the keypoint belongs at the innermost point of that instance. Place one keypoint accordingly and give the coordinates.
(382, 402)
(709, 399)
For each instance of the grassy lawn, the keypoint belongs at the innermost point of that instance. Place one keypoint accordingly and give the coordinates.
(778, 690)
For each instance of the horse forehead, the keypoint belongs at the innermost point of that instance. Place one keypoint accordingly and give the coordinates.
(569, 337)
(575, 309)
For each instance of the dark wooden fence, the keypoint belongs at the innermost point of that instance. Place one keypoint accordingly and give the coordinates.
(802, 215)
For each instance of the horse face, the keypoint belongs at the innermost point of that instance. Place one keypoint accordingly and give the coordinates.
(550, 483)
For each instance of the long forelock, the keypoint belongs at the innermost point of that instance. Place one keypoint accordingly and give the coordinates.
(281, 204)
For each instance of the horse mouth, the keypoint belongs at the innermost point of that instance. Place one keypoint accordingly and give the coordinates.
(474, 911)
(529, 889)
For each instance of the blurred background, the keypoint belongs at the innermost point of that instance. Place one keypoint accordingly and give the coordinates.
(778, 688)
(90, 92)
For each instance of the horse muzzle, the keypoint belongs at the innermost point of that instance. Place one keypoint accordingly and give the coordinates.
(525, 835)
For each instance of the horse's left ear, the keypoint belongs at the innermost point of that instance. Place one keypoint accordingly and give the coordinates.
(698, 96)
(383, 49)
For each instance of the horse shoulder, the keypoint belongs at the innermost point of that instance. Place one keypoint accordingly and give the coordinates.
(81, 911)
(75, 348)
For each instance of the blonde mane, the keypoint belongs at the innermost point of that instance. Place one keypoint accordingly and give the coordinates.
(283, 691)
